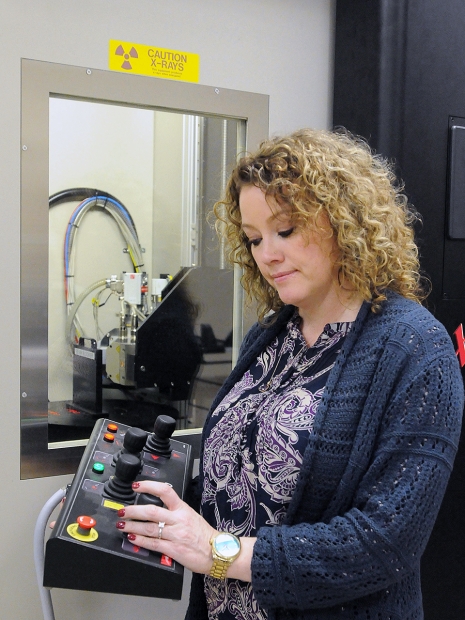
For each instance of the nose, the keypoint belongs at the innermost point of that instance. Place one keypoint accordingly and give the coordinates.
(269, 251)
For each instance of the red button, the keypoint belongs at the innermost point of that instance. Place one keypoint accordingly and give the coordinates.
(166, 560)
(112, 427)
(85, 522)
(109, 437)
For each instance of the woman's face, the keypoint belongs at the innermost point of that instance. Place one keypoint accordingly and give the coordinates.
(300, 268)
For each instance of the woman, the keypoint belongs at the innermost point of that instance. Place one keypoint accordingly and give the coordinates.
(327, 451)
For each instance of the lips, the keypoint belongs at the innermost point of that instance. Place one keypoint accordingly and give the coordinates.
(281, 276)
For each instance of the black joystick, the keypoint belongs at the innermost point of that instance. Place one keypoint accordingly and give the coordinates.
(158, 442)
(133, 443)
(148, 499)
(119, 486)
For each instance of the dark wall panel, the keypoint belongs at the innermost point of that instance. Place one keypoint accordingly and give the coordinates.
(415, 50)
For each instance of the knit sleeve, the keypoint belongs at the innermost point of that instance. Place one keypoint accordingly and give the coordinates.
(379, 539)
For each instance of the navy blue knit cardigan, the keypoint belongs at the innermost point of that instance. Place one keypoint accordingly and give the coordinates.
(373, 475)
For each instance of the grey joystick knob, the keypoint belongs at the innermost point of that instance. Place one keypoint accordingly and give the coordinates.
(164, 426)
(134, 440)
(133, 443)
(158, 442)
(119, 486)
(127, 467)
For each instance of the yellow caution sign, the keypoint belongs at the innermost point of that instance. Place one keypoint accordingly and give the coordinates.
(155, 61)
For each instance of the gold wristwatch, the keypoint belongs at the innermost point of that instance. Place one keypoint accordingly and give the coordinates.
(225, 549)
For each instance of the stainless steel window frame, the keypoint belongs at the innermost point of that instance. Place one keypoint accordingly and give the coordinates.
(40, 80)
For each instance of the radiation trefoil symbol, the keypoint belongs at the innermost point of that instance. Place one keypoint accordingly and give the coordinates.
(132, 54)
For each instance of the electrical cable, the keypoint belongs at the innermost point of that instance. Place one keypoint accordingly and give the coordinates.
(92, 198)
(39, 555)
(78, 302)
(136, 310)
(81, 193)
(123, 221)
(96, 307)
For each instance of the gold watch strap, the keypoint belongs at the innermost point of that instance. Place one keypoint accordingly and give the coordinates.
(219, 568)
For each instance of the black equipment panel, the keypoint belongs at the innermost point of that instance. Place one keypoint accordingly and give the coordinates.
(97, 556)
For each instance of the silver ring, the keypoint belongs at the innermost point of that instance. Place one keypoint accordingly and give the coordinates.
(161, 525)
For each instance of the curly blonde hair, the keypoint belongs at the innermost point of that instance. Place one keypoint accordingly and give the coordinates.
(311, 173)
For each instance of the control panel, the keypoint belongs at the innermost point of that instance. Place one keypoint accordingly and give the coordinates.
(85, 550)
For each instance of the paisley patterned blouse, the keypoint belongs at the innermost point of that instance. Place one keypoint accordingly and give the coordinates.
(254, 446)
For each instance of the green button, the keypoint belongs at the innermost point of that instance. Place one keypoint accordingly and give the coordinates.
(98, 468)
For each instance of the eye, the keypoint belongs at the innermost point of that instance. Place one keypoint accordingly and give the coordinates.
(286, 233)
(251, 242)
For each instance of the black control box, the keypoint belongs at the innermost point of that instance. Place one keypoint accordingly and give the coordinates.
(85, 550)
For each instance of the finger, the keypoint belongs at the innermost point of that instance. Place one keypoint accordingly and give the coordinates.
(162, 490)
(152, 544)
(146, 529)
(146, 512)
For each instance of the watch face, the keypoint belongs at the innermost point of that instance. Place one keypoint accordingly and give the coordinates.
(226, 545)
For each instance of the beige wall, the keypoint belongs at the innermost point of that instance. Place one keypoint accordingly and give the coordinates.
(283, 49)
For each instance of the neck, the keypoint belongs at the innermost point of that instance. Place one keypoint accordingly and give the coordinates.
(314, 320)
